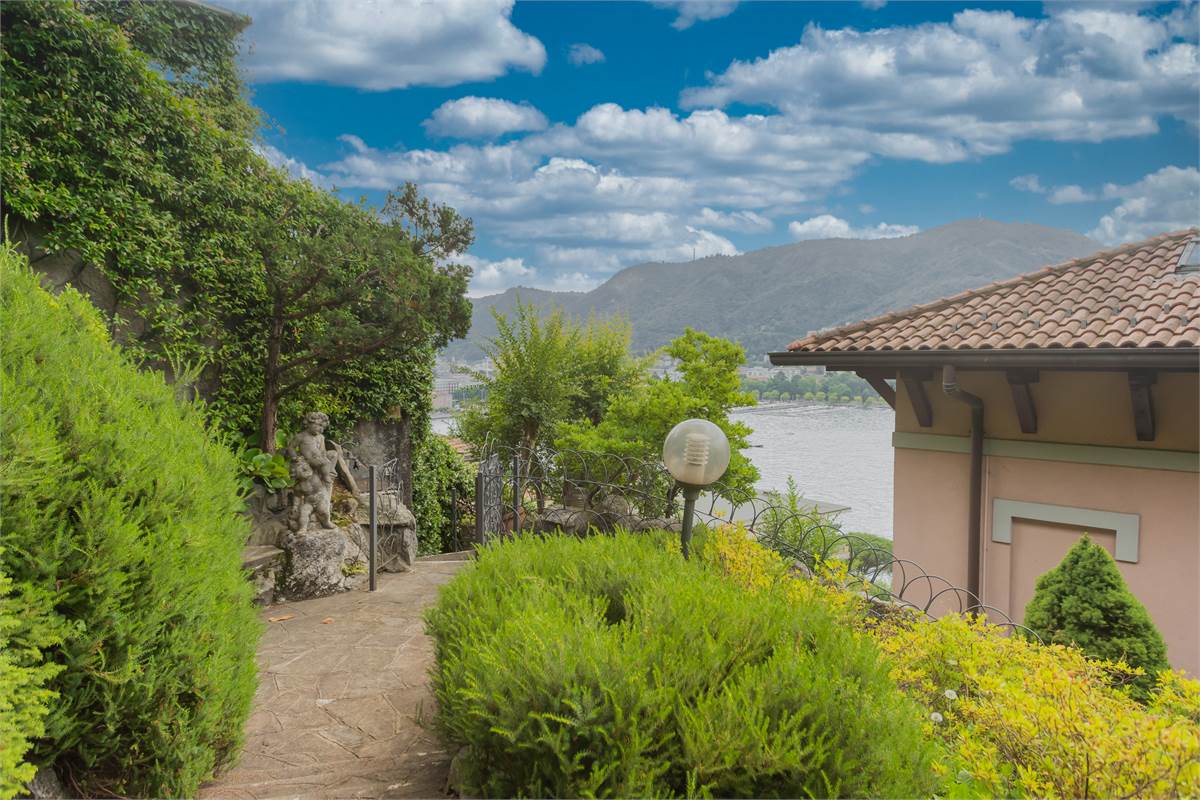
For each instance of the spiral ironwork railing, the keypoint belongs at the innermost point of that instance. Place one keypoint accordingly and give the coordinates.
(540, 490)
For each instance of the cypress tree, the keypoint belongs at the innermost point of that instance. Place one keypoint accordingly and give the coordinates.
(1084, 601)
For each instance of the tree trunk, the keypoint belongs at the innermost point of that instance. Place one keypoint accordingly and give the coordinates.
(270, 409)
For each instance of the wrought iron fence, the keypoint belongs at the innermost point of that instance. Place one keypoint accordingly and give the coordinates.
(541, 490)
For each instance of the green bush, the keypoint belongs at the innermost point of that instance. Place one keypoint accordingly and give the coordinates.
(609, 666)
(122, 540)
(437, 470)
(1084, 601)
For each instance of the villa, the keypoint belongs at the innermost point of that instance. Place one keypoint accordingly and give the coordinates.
(1033, 410)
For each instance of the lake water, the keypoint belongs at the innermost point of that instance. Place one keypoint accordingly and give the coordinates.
(839, 454)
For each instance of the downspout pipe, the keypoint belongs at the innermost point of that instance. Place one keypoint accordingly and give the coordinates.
(952, 390)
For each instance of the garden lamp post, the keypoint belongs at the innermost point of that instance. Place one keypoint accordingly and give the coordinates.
(696, 453)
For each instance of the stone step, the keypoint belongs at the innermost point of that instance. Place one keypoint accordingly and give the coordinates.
(263, 562)
(258, 555)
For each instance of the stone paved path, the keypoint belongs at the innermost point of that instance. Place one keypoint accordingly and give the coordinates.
(341, 697)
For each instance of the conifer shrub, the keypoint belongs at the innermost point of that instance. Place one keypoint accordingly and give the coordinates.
(126, 618)
(1084, 601)
(609, 666)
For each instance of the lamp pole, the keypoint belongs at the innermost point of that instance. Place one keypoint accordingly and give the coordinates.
(696, 453)
(690, 494)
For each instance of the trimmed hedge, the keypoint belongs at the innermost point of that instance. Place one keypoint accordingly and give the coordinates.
(611, 667)
(128, 627)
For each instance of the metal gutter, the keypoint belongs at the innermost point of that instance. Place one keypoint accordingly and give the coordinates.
(1182, 359)
(952, 390)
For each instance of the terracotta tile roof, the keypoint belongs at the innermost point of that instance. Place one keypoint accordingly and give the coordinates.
(1130, 297)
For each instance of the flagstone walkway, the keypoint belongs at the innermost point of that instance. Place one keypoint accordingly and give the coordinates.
(342, 696)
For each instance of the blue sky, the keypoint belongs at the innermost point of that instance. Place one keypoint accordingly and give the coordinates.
(585, 137)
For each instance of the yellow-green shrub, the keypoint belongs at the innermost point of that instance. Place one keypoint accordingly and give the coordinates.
(1018, 717)
(1013, 717)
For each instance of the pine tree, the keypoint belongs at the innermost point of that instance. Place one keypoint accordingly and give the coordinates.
(1084, 601)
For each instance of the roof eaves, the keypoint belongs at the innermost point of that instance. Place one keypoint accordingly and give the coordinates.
(934, 305)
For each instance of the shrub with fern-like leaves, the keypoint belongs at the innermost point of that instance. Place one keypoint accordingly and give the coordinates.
(611, 667)
(127, 631)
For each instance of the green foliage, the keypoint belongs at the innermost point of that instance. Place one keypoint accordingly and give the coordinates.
(194, 45)
(1084, 601)
(611, 667)
(637, 421)
(151, 176)
(122, 538)
(437, 471)
(268, 469)
(345, 285)
(1014, 717)
(1011, 717)
(795, 530)
(549, 371)
(832, 386)
(24, 699)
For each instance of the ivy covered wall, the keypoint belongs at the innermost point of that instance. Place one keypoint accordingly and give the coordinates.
(128, 167)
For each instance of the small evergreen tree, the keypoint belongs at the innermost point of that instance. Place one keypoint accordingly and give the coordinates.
(1084, 601)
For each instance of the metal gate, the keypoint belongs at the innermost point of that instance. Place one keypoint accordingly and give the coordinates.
(489, 499)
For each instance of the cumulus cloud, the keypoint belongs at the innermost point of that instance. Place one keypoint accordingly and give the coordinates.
(581, 54)
(971, 87)
(490, 277)
(387, 44)
(483, 118)
(621, 185)
(827, 226)
(1027, 183)
(744, 221)
(1162, 201)
(1070, 193)
(297, 169)
(692, 11)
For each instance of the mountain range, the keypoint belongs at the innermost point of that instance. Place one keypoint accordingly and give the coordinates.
(770, 297)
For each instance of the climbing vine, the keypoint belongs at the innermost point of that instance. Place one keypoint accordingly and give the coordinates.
(127, 148)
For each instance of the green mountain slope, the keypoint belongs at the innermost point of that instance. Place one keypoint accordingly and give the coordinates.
(767, 298)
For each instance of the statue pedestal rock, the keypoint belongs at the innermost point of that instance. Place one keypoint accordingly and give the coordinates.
(327, 548)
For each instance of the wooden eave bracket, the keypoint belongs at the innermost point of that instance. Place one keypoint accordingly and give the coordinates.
(1140, 382)
(914, 384)
(878, 381)
(1018, 382)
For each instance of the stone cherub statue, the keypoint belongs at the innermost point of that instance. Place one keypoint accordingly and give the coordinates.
(313, 468)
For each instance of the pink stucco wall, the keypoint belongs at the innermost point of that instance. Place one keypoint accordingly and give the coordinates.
(931, 487)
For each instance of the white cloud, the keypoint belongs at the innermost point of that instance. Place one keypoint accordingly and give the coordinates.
(874, 5)
(971, 87)
(827, 226)
(387, 44)
(489, 277)
(492, 277)
(693, 11)
(297, 169)
(1070, 193)
(745, 221)
(1166, 200)
(1027, 183)
(581, 54)
(617, 185)
(483, 118)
